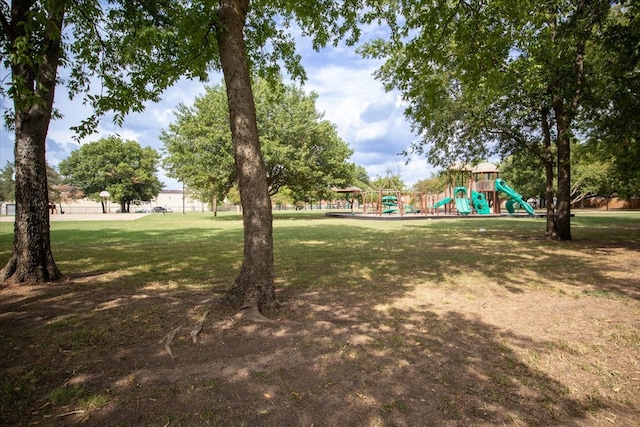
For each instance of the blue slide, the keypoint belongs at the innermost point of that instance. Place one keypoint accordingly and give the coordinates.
(501, 186)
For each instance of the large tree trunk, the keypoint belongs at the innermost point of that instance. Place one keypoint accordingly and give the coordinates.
(563, 144)
(32, 260)
(254, 285)
(547, 159)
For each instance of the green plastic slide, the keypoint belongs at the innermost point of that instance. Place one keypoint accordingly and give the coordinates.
(442, 202)
(501, 186)
(462, 206)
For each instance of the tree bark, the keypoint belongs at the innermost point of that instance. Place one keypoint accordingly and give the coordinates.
(32, 260)
(547, 154)
(254, 285)
(563, 144)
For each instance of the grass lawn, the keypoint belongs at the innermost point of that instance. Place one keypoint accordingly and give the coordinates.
(448, 322)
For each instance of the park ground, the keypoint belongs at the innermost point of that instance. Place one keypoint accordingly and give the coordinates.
(476, 322)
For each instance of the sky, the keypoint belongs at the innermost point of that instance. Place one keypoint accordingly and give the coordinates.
(368, 119)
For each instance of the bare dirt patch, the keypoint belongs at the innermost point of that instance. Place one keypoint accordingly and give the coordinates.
(472, 355)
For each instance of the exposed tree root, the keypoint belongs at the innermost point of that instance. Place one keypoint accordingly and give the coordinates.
(251, 312)
(248, 312)
(167, 339)
(66, 414)
(224, 323)
(198, 327)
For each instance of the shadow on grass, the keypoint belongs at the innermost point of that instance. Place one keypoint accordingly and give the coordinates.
(332, 358)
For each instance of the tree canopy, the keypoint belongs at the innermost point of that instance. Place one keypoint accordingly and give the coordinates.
(302, 151)
(613, 124)
(123, 168)
(391, 181)
(435, 184)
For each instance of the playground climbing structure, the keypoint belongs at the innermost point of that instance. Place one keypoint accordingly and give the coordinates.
(470, 191)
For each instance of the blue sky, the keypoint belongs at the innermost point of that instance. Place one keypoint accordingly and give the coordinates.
(370, 120)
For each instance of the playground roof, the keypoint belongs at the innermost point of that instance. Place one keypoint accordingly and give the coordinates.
(485, 167)
(350, 189)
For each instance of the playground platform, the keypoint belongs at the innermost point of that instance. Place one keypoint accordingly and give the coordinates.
(417, 216)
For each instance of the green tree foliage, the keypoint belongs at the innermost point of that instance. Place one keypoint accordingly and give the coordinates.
(123, 168)
(524, 171)
(361, 177)
(435, 184)
(7, 182)
(614, 122)
(198, 146)
(494, 76)
(592, 173)
(58, 190)
(392, 181)
(301, 150)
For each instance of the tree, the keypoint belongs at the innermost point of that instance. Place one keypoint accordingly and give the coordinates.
(301, 151)
(135, 49)
(614, 121)
(435, 184)
(198, 146)
(123, 168)
(361, 177)
(267, 21)
(392, 181)
(524, 171)
(494, 76)
(131, 49)
(33, 62)
(7, 182)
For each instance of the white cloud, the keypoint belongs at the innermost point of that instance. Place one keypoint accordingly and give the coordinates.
(369, 119)
(164, 117)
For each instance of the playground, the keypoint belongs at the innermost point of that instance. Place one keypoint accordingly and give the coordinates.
(470, 192)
